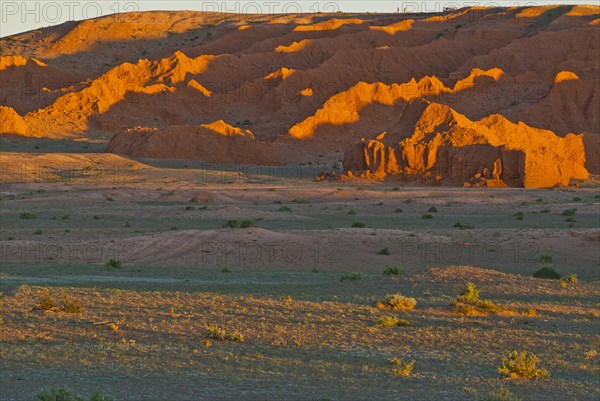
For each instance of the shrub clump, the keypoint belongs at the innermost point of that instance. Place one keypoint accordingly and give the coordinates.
(401, 367)
(384, 251)
(500, 395)
(462, 226)
(113, 264)
(221, 334)
(64, 394)
(354, 276)
(358, 224)
(468, 303)
(389, 321)
(27, 216)
(46, 302)
(246, 224)
(397, 301)
(71, 305)
(392, 271)
(230, 224)
(522, 365)
(570, 279)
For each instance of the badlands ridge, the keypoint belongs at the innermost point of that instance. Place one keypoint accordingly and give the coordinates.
(475, 97)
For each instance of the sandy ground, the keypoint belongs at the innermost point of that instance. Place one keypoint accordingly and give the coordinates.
(309, 334)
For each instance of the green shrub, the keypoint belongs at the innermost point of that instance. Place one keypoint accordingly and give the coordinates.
(230, 224)
(462, 226)
(384, 251)
(64, 394)
(27, 216)
(547, 273)
(354, 276)
(519, 215)
(221, 334)
(358, 224)
(426, 217)
(113, 264)
(38, 232)
(351, 212)
(246, 224)
(569, 212)
(391, 271)
(546, 258)
(432, 209)
(284, 209)
(522, 365)
(577, 199)
(397, 301)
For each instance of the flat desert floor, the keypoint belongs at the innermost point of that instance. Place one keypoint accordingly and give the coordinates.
(231, 282)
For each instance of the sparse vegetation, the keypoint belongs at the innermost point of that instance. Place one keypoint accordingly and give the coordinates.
(284, 209)
(500, 395)
(569, 212)
(462, 226)
(64, 394)
(392, 271)
(432, 209)
(214, 332)
(401, 367)
(522, 365)
(247, 224)
(113, 264)
(389, 321)
(71, 305)
(468, 303)
(519, 215)
(571, 279)
(358, 224)
(27, 216)
(384, 251)
(397, 301)
(354, 276)
(230, 224)
(546, 258)
(426, 216)
(46, 302)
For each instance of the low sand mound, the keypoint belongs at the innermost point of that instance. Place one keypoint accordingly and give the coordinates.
(217, 142)
(11, 122)
(447, 146)
(64, 167)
